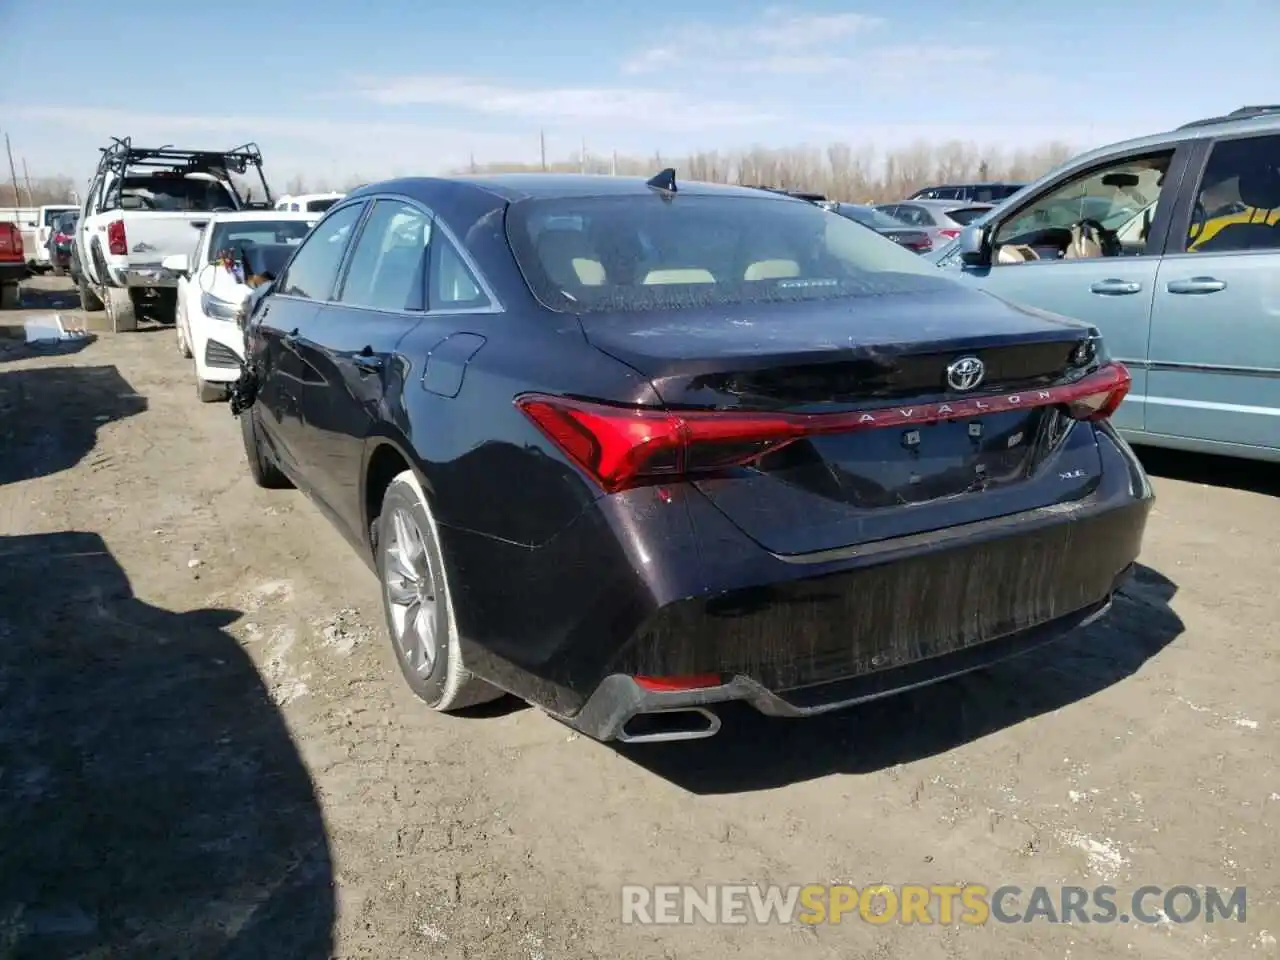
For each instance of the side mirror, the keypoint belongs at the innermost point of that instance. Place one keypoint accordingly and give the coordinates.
(176, 263)
(974, 246)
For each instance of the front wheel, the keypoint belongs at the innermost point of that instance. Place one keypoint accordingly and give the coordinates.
(417, 602)
(262, 468)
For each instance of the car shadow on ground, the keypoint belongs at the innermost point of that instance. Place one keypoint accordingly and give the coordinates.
(754, 752)
(153, 802)
(49, 416)
(39, 298)
(1255, 476)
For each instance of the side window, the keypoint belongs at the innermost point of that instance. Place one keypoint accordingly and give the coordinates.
(452, 286)
(1237, 207)
(915, 216)
(314, 268)
(1106, 211)
(386, 271)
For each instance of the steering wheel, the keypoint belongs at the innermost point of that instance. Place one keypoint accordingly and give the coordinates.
(1109, 240)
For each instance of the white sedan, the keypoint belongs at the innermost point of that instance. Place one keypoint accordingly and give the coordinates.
(212, 286)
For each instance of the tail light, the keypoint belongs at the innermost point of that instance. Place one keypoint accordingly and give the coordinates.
(923, 245)
(948, 233)
(61, 238)
(622, 447)
(117, 241)
(10, 240)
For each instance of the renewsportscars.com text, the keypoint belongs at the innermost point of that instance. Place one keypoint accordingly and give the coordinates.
(969, 904)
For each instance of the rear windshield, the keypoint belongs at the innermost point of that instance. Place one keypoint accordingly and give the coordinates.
(319, 206)
(966, 215)
(235, 236)
(66, 222)
(53, 216)
(174, 193)
(590, 254)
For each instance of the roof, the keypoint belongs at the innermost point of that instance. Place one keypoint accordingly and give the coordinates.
(547, 186)
(973, 183)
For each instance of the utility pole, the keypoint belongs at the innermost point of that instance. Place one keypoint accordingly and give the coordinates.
(27, 179)
(13, 173)
(473, 162)
(613, 164)
(542, 146)
(582, 157)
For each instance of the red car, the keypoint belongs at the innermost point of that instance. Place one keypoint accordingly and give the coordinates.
(13, 265)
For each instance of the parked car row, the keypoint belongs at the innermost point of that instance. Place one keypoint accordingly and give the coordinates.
(631, 449)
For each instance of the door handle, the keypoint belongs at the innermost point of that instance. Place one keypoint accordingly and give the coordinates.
(1197, 285)
(1115, 288)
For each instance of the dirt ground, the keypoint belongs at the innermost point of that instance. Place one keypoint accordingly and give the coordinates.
(205, 748)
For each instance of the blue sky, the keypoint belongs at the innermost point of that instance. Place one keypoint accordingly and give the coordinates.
(394, 86)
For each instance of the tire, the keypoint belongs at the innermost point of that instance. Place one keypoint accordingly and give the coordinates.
(184, 348)
(440, 679)
(10, 296)
(262, 468)
(89, 301)
(57, 269)
(120, 309)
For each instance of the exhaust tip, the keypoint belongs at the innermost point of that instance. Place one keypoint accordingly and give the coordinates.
(665, 726)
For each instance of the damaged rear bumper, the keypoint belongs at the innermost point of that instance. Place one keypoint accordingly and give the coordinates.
(659, 585)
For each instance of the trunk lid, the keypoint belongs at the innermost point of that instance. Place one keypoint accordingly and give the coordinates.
(885, 355)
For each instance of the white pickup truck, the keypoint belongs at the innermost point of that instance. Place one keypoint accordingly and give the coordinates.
(143, 205)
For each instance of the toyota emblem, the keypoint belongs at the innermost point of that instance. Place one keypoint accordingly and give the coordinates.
(965, 373)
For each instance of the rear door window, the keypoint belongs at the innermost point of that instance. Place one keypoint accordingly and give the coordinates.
(1237, 207)
(388, 263)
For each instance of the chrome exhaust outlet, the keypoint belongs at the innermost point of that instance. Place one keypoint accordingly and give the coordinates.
(664, 726)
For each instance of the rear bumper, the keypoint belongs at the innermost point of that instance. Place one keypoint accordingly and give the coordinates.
(645, 586)
(143, 275)
(620, 697)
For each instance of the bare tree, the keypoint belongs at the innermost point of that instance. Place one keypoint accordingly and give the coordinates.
(841, 171)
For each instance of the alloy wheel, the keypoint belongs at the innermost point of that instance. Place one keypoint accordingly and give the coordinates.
(411, 592)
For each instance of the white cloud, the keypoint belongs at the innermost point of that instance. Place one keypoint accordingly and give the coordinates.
(621, 106)
(780, 41)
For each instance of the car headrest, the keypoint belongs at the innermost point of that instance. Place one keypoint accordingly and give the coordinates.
(1260, 187)
(569, 258)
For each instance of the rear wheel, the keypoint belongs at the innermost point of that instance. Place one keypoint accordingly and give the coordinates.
(89, 301)
(10, 296)
(263, 469)
(119, 305)
(417, 603)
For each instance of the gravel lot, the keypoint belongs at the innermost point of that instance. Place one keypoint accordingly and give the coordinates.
(205, 748)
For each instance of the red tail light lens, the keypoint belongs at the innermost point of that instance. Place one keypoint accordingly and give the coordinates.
(10, 240)
(117, 242)
(622, 447)
(696, 681)
(948, 234)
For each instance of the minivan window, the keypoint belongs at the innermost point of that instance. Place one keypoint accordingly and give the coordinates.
(647, 252)
(1238, 204)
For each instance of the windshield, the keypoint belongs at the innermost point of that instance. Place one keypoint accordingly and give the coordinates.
(52, 216)
(586, 254)
(174, 192)
(870, 217)
(66, 222)
(319, 206)
(233, 237)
